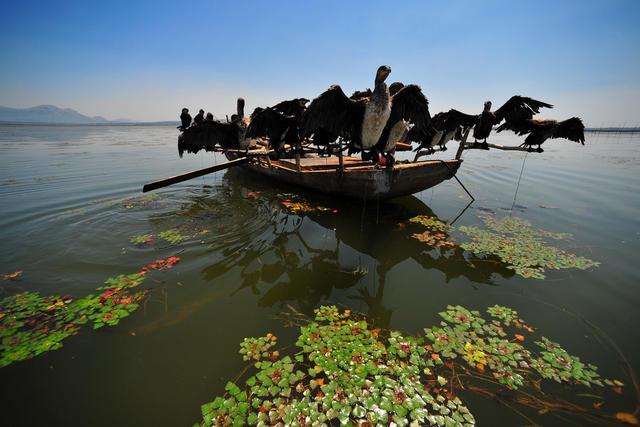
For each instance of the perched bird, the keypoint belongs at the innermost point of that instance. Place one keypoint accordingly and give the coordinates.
(540, 130)
(211, 133)
(199, 118)
(324, 138)
(185, 119)
(362, 121)
(280, 123)
(516, 108)
(409, 110)
(445, 127)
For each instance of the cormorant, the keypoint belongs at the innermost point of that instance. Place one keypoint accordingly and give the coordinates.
(279, 123)
(516, 108)
(446, 126)
(199, 118)
(363, 121)
(209, 134)
(185, 118)
(541, 130)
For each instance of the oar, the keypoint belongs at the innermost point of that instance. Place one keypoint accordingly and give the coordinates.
(187, 176)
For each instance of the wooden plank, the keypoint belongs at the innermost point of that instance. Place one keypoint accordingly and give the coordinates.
(194, 174)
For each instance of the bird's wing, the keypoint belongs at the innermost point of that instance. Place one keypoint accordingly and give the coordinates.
(291, 107)
(464, 120)
(519, 108)
(438, 120)
(223, 134)
(572, 129)
(266, 122)
(335, 113)
(208, 135)
(522, 127)
(410, 104)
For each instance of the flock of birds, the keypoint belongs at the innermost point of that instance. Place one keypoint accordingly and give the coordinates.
(373, 122)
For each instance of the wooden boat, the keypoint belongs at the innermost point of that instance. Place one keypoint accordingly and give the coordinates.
(336, 175)
(354, 178)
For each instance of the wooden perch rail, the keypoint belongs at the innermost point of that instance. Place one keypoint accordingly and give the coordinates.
(472, 146)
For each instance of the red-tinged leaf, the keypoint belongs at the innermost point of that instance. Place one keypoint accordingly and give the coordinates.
(11, 276)
(519, 337)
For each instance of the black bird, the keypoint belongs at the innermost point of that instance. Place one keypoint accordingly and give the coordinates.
(280, 123)
(541, 130)
(185, 119)
(363, 121)
(445, 127)
(212, 133)
(516, 108)
(199, 118)
(324, 138)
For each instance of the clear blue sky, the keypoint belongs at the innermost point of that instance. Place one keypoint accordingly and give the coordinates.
(145, 60)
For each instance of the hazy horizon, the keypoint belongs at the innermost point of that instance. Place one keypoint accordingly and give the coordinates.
(129, 60)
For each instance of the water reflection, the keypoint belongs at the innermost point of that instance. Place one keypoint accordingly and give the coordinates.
(302, 259)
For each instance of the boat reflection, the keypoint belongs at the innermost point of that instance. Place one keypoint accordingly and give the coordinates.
(307, 258)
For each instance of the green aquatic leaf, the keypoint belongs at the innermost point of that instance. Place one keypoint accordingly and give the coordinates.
(523, 247)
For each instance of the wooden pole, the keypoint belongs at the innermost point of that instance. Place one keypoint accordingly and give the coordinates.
(462, 144)
(194, 174)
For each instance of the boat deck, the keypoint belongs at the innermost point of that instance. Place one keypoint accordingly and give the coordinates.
(317, 162)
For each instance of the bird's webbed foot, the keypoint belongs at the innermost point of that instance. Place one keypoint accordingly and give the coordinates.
(539, 149)
(443, 147)
(484, 145)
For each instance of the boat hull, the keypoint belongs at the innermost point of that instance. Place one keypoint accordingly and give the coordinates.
(361, 182)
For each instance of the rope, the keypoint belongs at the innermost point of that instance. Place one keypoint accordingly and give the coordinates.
(518, 186)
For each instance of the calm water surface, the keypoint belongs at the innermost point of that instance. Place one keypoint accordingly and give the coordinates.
(70, 200)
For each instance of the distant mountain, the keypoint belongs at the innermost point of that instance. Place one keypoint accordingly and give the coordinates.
(50, 114)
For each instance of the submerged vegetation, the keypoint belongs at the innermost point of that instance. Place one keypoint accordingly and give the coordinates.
(31, 324)
(347, 372)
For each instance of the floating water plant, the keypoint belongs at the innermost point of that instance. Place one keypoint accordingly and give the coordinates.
(172, 236)
(436, 233)
(349, 373)
(523, 247)
(142, 239)
(295, 204)
(11, 276)
(31, 324)
(140, 201)
(258, 348)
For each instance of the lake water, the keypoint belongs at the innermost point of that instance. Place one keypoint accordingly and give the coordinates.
(70, 200)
